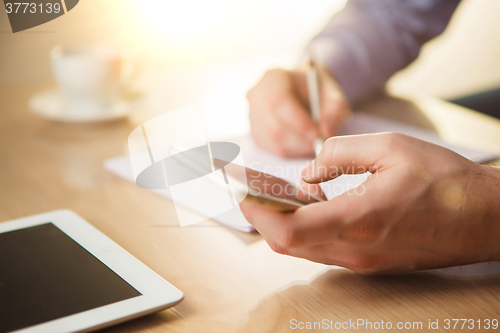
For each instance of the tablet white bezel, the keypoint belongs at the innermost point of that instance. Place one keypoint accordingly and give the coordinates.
(156, 293)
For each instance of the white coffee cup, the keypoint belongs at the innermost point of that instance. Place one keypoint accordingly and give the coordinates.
(90, 77)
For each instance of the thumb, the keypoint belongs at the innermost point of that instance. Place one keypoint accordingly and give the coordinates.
(351, 154)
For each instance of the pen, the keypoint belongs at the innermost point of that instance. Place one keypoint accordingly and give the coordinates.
(314, 103)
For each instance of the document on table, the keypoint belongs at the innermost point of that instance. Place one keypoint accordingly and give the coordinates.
(290, 169)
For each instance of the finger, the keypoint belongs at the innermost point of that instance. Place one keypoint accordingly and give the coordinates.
(266, 221)
(295, 144)
(276, 136)
(335, 108)
(297, 118)
(292, 131)
(330, 222)
(329, 254)
(299, 101)
(310, 193)
(353, 154)
(311, 243)
(260, 133)
(364, 261)
(314, 224)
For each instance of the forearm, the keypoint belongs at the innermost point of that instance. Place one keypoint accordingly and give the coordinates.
(367, 42)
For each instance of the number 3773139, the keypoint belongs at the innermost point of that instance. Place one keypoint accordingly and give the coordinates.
(32, 8)
(471, 324)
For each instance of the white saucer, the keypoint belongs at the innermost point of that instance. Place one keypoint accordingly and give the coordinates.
(51, 104)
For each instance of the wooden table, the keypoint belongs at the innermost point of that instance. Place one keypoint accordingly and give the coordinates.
(231, 280)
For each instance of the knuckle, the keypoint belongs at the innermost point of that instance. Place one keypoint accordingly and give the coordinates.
(273, 76)
(268, 80)
(276, 100)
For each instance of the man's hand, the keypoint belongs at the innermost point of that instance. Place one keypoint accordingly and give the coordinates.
(424, 206)
(279, 111)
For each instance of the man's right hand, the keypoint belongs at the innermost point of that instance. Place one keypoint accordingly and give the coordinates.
(279, 111)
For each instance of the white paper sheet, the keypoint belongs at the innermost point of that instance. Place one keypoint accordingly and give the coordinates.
(290, 169)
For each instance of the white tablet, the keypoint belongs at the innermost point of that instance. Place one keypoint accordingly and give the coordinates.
(60, 274)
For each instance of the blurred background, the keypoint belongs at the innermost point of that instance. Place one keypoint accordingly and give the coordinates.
(212, 52)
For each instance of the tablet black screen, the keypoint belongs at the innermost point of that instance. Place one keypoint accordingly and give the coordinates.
(45, 275)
